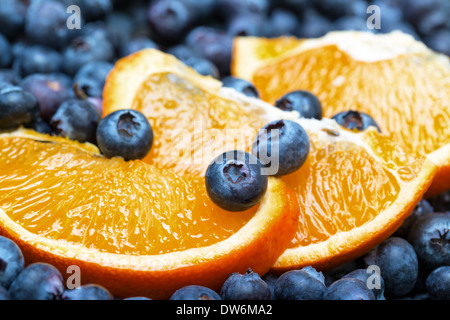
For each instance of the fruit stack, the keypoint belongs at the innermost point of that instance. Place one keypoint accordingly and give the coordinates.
(224, 150)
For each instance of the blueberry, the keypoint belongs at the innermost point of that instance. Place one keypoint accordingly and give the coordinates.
(299, 285)
(438, 41)
(438, 283)
(38, 281)
(38, 59)
(203, 66)
(182, 52)
(49, 90)
(246, 25)
(398, 265)
(355, 120)
(236, 181)
(17, 107)
(241, 85)
(137, 44)
(9, 76)
(202, 9)
(441, 203)
(282, 22)
(76, 119)
(348, 289)
(195, 292)
(125, 133)
(41, 126)
(212, 44)
(304, 102)
(351, 23)
(314, 25)
(271, 279)
(87, 292)
(231, 8)
(92, 9)
(137, 298)
(4, 294)
(46, 23)
(170, 19)
(5, 52)
(247, 286)
(85, 49)
(333, 8)
(92, 76)
(11, 262)
(12, 16)
(282, 146)
(422, 208)
(430, 237)
(318, 275)
(375, 281)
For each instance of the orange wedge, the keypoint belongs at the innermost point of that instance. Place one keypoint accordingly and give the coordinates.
(129, 226)
(354, 190)
(397, 80)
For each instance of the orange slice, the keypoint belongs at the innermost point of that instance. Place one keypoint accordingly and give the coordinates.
(129, 226)
(354, 190)
(397, 80)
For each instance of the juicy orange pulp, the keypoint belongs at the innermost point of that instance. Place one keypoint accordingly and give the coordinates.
(164, 212)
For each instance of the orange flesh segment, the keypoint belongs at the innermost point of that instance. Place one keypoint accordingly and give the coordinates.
(342, 83)
(127, 208)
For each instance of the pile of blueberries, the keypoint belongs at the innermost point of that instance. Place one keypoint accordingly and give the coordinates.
(52, 77)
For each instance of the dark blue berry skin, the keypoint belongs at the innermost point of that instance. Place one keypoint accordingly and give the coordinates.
(17, 107)
(41, 126)
(246, 25)
(282, 146)
(46, 24)
(351, 23)
(355, 120)
(137, 44)
(76, 119)
(170, 20)
(438, 41)
(92, 9)
(270, 279)
(247, 286)
(125, 133)
(422, 208)
(38, 281)
(241, 85)
(202, 66)
(398, 265)
(88, 292)
(92, 76)
(182, 52)
(5, 52)
(430, 237)
(282, 22)
(85, 49)
(11, 262)
(304, 102)
(348, 289)
(9, 76)
(299, 285)
(212, 44)
(441, 203)
(318, 275)
(4, 294)
(38, 59)
(195, 292)
(438, 283)
(49, 90)
(314, 25)
(236, 181)
(12, 16)
(365, 277)
(232, 8)
(332, 8)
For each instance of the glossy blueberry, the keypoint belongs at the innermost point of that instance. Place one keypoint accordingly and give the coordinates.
(195, 292)
(182, 52)
(304, 102)
(137, 44)
(318, 275)
(236, 181)
(17, 107)
(247, 286)
(41, 126)
(170, 19)
(4, 294)
(398, 265)
(299, 285)
(232, 8)
(438, 41)
(5, 52)
(212, 44)
(11, 262)
(9, 76)
(241, 85)
(92, 9)
(422, 208)
(355, 120)
(332, 8)
(271, 279)
(314, 25)
(38, 281)
(12, 17)
(375, 281)
(438, 283)
(348, 289)
(202, 9)
(203, 66)
(87, 292)
(430, 237)
(125, 133)
(76, 119)
(92, 76)
(49, 90)
(85, 49)
(282, 22)
(246, 25)
(46, 23)
(282, 146)
(38, 59)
